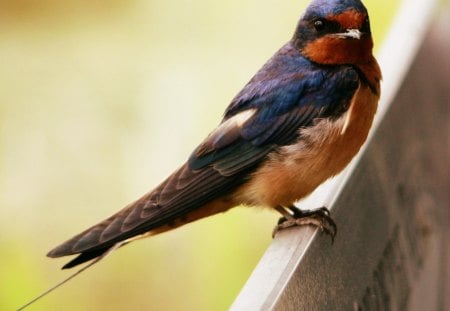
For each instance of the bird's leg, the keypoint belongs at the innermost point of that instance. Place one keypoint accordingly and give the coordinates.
(292, 216)
(286, 215)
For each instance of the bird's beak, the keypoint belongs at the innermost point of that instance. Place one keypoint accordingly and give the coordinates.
(349, 34)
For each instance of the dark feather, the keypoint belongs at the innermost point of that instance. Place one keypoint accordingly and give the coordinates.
(84, 257)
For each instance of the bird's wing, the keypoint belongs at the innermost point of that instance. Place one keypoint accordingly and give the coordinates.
(265, 115)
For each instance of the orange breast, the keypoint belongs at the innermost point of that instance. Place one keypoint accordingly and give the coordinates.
(322, 152)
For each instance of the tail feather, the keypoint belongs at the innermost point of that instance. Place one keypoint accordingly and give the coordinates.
(95, 255)
(85, 256)
(183, 192)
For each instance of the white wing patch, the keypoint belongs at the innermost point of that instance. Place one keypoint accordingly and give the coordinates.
(237, 120)
(225, 133)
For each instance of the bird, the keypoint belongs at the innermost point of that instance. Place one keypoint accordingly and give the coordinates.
(298, 122)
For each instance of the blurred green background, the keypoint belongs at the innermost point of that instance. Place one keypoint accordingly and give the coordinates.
(101, 100)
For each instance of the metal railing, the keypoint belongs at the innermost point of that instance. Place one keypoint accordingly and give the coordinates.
(391, 204)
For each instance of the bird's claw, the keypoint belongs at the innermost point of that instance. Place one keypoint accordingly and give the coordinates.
(319, 218)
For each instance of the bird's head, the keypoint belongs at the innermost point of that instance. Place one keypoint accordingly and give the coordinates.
(335, 32)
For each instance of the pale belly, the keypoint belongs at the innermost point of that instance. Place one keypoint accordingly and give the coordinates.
(322, 152)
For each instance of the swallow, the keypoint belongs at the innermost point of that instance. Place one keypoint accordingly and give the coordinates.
(298, 122)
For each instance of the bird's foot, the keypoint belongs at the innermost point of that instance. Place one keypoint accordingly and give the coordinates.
(319, 217)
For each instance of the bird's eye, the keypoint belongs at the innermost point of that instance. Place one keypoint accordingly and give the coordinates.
(319, 24)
